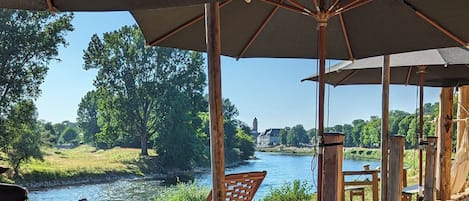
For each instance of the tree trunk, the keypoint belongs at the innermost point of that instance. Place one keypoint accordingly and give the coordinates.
(143, 143)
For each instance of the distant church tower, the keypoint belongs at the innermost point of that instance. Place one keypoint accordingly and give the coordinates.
(254, 125)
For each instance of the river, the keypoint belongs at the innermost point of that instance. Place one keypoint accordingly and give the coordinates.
(280, 168)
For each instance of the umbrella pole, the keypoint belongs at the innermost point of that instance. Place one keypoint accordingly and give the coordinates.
(421, 72)
(384, 127)
(322, 86)
(212, 20)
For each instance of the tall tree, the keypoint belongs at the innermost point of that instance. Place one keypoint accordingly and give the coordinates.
(88, 116)
(358, 125)
(26, 138)
(30, 41)
(152, 92)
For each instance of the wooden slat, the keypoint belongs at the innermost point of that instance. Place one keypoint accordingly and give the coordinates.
(396, 163)
(333, 167)
(429, 186)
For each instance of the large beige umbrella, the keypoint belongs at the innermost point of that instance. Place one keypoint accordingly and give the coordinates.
(298, 29)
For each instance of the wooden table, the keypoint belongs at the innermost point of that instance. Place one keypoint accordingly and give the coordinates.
(373, 183)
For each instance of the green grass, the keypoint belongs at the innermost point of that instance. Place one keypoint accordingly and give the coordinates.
(86, 161)
(184, 192)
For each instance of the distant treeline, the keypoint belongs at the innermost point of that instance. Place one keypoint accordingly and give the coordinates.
(367, 133)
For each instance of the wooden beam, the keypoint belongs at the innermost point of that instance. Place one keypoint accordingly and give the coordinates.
(183, 26)
(212, 20)
(386, 77)
(445, 141)
(258, 31)
(396, 164)
(333, 154)
(429, 186)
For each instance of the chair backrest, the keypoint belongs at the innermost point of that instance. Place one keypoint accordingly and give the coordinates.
(241, 186)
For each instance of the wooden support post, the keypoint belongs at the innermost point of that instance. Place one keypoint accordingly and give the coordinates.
(463, 100)
(429, 187)
(444, 141)
(217, 154)
(333, 178)
(386, 73)
(375, 185)
(396, 164)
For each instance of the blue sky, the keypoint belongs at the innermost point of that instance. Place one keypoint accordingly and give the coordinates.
(269, 89)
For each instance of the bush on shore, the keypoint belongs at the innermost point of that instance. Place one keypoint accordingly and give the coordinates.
(185, 192)
(296, 191)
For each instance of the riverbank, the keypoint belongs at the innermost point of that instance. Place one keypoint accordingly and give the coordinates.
(87, 165)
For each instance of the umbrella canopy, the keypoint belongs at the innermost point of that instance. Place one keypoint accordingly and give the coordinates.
(447, 67)
(95, 5)
(347, 29)
(270, 28)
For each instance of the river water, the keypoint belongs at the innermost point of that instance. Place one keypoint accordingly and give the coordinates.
(280, 168)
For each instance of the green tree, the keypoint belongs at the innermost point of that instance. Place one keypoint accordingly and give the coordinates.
(347, 130)
(412, 134)
(70, 135)
(283, 135)
(140, 81)
(30, 40)
(371, 133)
(358, 125)
(395, 116)
(88, 116)
(297, 136)
(25, 143)
(245, 144)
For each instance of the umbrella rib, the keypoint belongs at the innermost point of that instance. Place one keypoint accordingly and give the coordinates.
(347, 41)
(316, 5)
(183, 26)
(347, 77)
(437, 26)
(332, 6)
(50, 6)
(351, 5)
(288, 7)
(407, 79)
(301, 6)
(258, 31)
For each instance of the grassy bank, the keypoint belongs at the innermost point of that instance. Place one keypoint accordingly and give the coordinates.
(287, 149)
(87, 162)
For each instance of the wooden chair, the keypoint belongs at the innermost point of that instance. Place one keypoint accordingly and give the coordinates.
(241, 186)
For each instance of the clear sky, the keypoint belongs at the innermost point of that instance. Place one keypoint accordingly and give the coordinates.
(269, 89)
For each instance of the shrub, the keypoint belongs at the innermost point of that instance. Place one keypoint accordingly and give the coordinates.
(296, 191)
(184, 192)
